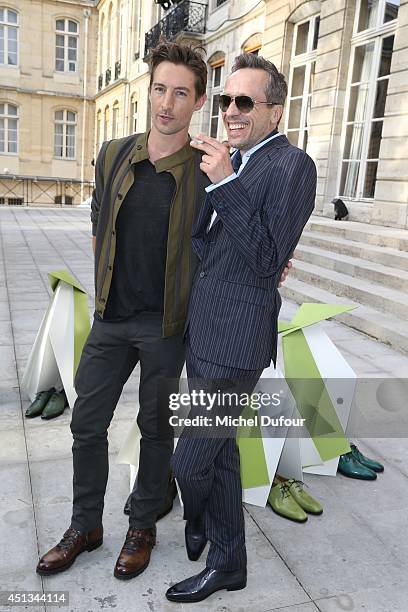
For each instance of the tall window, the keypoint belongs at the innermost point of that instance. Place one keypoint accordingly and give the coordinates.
(8, 128)
(65, 131)
(216, 76)
(101, 43)
(66, 45)
(115, 119)
(370, 64)
(137, 30)
(120, 24)
(98, 130)
(108, 41)
(8, 37)
(373, 13)
(106, 123)
(133, 117)
(301, 76)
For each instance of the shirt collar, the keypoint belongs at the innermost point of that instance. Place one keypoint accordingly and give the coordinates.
(140, 152)
(263, 142)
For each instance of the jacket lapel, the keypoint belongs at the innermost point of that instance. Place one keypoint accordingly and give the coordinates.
(261, 158)
(203, 218)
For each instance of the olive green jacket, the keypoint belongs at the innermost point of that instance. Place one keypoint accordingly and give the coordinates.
(113, 179)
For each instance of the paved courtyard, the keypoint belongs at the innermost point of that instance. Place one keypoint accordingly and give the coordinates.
(352, 558)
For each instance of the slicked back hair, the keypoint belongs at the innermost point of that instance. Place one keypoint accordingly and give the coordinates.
(184, 55)
(276, 89)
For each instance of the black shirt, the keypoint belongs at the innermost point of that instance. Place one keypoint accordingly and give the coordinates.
(141, 244)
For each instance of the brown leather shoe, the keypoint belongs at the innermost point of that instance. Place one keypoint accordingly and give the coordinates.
(135, 554)
(62, 556)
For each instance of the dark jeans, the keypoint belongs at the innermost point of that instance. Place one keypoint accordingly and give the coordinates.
(109, 356)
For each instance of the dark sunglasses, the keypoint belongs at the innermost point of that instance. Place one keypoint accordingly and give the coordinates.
(243, 103)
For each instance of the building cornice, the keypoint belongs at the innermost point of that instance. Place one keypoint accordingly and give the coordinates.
(111, 87)
(44, 92)
(79, 4)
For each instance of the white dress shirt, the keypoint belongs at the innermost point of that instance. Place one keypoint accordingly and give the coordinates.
(231, 177)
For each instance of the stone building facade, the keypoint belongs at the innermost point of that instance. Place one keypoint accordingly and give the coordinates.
(346, 62)
(357, 122)
(47, 90)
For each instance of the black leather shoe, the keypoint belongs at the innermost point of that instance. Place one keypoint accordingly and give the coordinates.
(168, 502)
(55, 405)
(37, 406)
(199, 587)
(195, 538)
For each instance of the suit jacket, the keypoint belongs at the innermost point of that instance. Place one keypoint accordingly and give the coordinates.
(234, 303)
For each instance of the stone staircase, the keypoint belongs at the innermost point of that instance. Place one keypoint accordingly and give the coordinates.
(345, 262)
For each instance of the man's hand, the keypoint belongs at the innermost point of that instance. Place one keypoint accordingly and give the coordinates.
(216, 162)
(285, 273)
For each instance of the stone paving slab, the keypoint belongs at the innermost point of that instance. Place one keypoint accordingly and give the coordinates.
(353, 557)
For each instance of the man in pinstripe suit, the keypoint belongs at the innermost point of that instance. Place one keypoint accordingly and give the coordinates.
(255, 211)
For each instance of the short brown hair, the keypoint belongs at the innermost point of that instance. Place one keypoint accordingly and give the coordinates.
(276, 88)
(186, 55)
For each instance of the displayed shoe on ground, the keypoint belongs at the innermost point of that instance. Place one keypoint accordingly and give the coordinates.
(303, 499)
(282, 502)
(73, 543)
(199, 587)
(168, 502)
(371, 464)
(135, 554)
(55, 405)
(195, 538)
(37, 406)
(350, 467)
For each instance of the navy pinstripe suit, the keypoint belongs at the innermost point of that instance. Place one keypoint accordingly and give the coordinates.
(232, 320)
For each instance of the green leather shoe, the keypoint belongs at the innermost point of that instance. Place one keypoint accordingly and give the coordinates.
(371, 464)
(282, 502)
(303, 499)
(350, 467)
(37, 406)
(56, 405)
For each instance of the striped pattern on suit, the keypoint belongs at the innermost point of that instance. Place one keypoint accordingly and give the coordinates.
(234, 303)
(208, 470)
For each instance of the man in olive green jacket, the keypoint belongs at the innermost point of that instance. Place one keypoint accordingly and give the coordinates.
(148, 189)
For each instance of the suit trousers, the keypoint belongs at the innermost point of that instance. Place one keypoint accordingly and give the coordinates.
(207, 468)
(109, 357)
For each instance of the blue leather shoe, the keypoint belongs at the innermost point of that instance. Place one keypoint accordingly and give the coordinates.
(350, 467)
(371, 464)
(195, 538)
(199, 587)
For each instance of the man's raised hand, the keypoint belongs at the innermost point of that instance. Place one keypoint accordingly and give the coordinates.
(216, 161)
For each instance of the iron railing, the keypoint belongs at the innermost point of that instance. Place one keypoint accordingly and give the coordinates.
(186, 17)
(28, 190)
